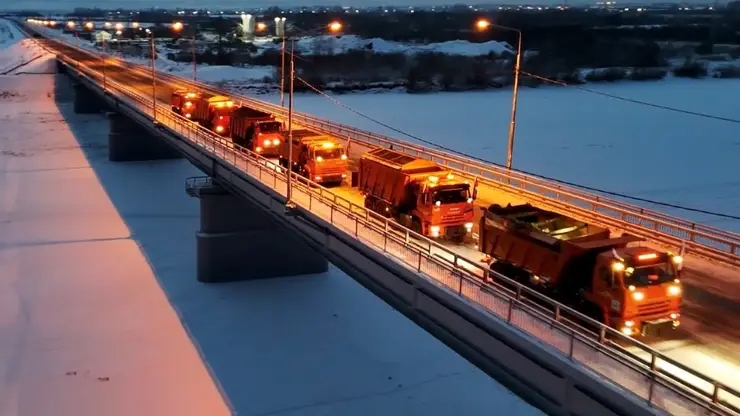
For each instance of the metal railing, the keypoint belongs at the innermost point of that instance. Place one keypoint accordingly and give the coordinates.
(713, 243)
(655, 378)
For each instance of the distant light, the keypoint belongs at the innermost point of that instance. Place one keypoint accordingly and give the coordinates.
(335, 27)
(482, 24)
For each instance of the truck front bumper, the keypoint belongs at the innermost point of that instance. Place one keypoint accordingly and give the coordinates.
(649, 327)
(337, 178)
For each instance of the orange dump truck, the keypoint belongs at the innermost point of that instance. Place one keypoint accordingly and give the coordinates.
(418, 193)
(183, 102)
(635, 290)
(317, 157)
(214, 113)
(257, 131)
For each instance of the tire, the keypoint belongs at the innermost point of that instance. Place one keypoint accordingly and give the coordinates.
(416, 226)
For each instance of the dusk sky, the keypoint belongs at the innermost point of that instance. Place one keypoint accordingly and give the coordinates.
(65, 5)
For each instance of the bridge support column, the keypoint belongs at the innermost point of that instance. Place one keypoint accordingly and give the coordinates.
(61, 69)
(130, 142)
(86, 102)
(239, 241)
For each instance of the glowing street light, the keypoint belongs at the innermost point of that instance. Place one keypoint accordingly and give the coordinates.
(107, 24)
(135, 25)
(71, 24)
(177, 26)
(89, 25)
(261, 26)
(483, 25)
(119, 32)
(335, 26)
(119, 26)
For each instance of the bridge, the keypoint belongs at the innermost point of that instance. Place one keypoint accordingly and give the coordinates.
(536, 352)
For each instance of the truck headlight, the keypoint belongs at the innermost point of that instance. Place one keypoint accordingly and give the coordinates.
(219, 129)
(275, 142)
(638, 296)
(435, 230)
(266, 143)
(674, 290)
(469, 226)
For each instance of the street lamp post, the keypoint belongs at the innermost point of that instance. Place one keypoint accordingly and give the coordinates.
(484, 25)
(154, 81)
(333, 27)
(177, 27)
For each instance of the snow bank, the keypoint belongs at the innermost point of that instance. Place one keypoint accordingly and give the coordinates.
(328, 44)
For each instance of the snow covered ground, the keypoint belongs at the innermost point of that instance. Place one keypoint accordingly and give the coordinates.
(581, 137)
(14, 49)
(329, 44)
(98, 297)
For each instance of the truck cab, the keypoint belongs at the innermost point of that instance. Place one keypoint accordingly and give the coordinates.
(266, 137)
(638, 289)
(220, 109)
(318, 158)
(183, 102)
(444, 205)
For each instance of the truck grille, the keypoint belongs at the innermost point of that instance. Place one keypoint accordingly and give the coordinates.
(453, 218)
(331, 171)
(654, 308)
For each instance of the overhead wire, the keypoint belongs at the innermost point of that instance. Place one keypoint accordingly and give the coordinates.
(632, 100)
(602, 191)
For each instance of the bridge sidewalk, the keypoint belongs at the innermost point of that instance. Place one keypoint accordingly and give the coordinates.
(84, 326)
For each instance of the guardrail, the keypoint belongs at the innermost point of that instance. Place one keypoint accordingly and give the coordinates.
(698, 239)
(658, 380)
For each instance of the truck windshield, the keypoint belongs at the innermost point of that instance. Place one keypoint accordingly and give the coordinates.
(333, 153)
(451, 195)
(653, 274)
(270, 127)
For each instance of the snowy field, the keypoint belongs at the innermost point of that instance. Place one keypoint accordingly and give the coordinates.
(14, 49)
(580, 137)
(100, 311)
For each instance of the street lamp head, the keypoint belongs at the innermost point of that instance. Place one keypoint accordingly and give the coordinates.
(335, 26)
(89, 25)
(71, 24)
(483, 24)
(107, 24)
(119, 26)
(177, 26)
(261, 26)
(135, 25)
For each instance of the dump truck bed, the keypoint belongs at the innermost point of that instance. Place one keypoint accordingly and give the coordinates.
(542, 242)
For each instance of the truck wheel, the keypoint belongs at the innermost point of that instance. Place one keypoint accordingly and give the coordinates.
(416, 226)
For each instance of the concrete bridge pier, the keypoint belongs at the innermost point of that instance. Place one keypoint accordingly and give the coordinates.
(130, 142)
(239, 241)
(86, 102)
(61, 69)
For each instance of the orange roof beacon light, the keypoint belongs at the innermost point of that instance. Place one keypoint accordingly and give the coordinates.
(482, 24)
(335, 26)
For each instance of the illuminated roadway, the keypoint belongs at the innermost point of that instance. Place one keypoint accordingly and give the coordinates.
(709, 337)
